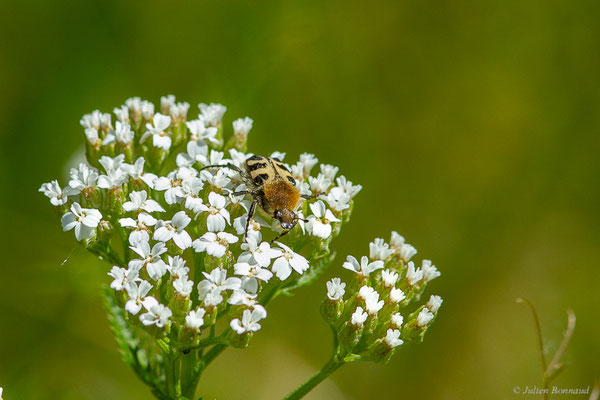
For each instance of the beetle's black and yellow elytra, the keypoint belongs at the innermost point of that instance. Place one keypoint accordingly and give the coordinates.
(272, 187)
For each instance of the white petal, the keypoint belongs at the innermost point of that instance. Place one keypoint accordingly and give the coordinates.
(281, 268)
(182, 239)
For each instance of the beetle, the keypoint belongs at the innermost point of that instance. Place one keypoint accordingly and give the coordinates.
(272, 187)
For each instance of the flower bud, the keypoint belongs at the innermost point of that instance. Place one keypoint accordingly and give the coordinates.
(115, 197)
(104, 231)
(331, 310)
(239, 341)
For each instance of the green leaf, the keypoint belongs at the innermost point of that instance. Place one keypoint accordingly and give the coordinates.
(129, 345)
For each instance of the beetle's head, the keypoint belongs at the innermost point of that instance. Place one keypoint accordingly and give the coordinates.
(286, 217)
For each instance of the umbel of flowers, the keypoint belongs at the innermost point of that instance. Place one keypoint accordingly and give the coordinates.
(190, 274)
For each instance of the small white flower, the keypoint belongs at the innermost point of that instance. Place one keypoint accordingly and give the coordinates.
(238, 158)
(160, 138)
(297, 171)
(140, 201)
(337, 199)
(212, 113)
(174, 229)
(250, 274)
(84, 220)
(176, 267)
(57, 196)
(249, 322)
(191, 188)
(217, 281)
(179, 110)
(406, 251)
(358, 317)
(258, 254)
(147, 109)
(218, 215)
(434, 303)
(183, 285)
(137, 294)
(308, 161)
(255, 224)
(424, 317)
(397, 295)
(115, 174)
(166, 102)
(329, 171)
(212, 298)
(121, 276)
(199, 132)
(335, 289)
(96, 119)
(430, 272)
(83, 178)
(397, 320)
(122, 113)
(379, 250)
(218, 179)
(171, 184)
(319, 224)
(413, 276)
(282, 266)
(195, 319)
(134, 104)
(348, 187)
(141, 227)
(241, 297)
(320, 184)
(92, 136)
(122, 134)
(214, 244)
(157, 314)
(278, 155)
(364, 268)
(389, 278)
(112, 163)
(150, 258)
(392, 338)
(197, 151)
(242, 126)
(136, 172)
(371, 298)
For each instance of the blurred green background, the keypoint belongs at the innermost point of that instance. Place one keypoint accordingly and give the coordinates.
(473, 127)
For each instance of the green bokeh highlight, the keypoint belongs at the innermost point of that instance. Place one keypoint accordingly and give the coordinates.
(473, 127)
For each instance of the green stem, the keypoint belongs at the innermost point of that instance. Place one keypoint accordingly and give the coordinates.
(189, 383)
(319, 377)
(538, 330)
(170, 376)
(206, 342)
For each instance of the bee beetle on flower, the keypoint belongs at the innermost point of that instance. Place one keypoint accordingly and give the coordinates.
(273, 188)
(169, 215)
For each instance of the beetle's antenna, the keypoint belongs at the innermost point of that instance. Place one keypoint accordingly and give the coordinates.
(230, 166)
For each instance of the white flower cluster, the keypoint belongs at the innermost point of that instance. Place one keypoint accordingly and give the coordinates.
(175, 232)
(368, 318)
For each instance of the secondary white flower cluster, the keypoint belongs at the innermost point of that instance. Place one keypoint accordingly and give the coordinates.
(175, 232)
(367, 316)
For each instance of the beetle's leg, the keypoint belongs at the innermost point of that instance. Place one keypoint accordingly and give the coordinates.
(283, 233)
(242, 193)
(310, 196)
(250, 215)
